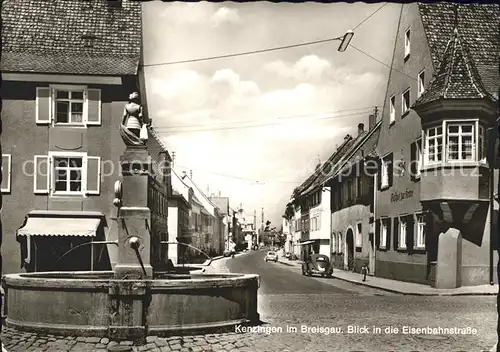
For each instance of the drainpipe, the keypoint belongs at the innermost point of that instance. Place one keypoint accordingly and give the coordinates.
(375, 188)
(27, 260)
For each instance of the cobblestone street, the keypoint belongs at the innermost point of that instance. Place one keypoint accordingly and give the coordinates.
(333, 305)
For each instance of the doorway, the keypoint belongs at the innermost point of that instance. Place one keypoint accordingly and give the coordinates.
(350, 249)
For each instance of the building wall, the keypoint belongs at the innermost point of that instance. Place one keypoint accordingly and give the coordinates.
(396, 139)
(322, 213)
(104, 141)
(173, 231)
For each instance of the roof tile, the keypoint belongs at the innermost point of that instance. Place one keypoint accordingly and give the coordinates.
(478, 26)
(71, 36)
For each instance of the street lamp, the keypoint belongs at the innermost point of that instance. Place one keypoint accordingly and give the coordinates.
(346, 39)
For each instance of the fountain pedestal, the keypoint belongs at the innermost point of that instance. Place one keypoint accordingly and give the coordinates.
(134, 217)
(129, 293)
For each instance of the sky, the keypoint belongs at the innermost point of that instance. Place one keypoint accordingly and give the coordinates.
(253, 127)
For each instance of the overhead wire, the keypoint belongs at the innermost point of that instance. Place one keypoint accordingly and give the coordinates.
(261, 50)
(278, 121)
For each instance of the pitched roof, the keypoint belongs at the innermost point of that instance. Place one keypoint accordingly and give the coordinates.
(478, 26)
(368, 139)
(323, 169)
(72, 36)
(457, 76)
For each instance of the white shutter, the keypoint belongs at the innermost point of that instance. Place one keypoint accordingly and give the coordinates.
(41, 174)
(43, 108)
(93, 106)
(6, 172)
(92, 169)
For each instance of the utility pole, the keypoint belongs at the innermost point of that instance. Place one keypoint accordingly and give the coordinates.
(173, 159)
(262, 220)
(375, 112)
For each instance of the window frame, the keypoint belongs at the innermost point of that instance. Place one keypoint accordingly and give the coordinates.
(419, 243)
(402, 239)
(384, 171)
(420, 83)
(68, 88)
(403, 102)
(407, 43)
(392, 109)
(359, 234)
(52, 155)
(7, 175)
(460, 135)
(437, 137)
(478, 136)
(383, 234)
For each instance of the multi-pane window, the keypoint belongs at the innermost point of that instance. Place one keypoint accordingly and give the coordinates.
(420, 238)
(359, 235)
(407, 43)
(460, 141)
(384, 181)
(434, 144)
(392, 109)
(402, 233)
(405, 101)
(68, 106)
(420, 83)
(334, 242)
(68, 174)
(481, 143)
(383, 233)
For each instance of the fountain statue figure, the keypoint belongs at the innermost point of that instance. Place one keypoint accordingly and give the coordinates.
(133, 128)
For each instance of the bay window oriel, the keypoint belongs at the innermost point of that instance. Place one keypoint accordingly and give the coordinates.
(454, 141)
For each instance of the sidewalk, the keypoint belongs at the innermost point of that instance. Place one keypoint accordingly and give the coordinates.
(401, 287)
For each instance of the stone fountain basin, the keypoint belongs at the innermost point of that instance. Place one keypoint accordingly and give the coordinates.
(88, 303)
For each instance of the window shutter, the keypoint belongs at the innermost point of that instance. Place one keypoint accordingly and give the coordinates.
(41, 173)
(93, 175)
(391, 169)
(6, 172)
(377, 233)
(413, 161)
(410, 229)
(388, 237)
(93, 106)
(43, 105)
(396, 233)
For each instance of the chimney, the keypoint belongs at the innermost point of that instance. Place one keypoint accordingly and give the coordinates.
(191, 174)
(347, 137)
(361, 128)
(372, 121)
(184, 174)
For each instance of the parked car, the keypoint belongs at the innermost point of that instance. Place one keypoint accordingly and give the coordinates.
(271, 256)
(317, 264)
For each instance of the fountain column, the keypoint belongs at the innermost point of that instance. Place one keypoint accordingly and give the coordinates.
(130, 292)
(134, 216)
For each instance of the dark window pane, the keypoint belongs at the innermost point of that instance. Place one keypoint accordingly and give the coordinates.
(61, 162)
(75, 175)
(75, 186)
(75, 162)
(467, 128)
(62, 108)
(61, 175)
(77, 95)
(60, 185)
(62, 94)
(453, 129)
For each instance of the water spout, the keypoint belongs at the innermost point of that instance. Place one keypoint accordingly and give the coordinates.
(134, 243)
(85, 244)
(206, 263)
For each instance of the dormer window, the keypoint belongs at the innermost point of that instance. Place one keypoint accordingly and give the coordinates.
(407, 44)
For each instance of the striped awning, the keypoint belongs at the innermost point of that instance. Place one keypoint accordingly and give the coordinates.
(61, 226)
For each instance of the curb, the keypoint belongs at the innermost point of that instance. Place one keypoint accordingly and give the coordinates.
(416, 293)
(404, 293)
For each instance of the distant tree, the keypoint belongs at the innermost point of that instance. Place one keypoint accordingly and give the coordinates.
(268, 226)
